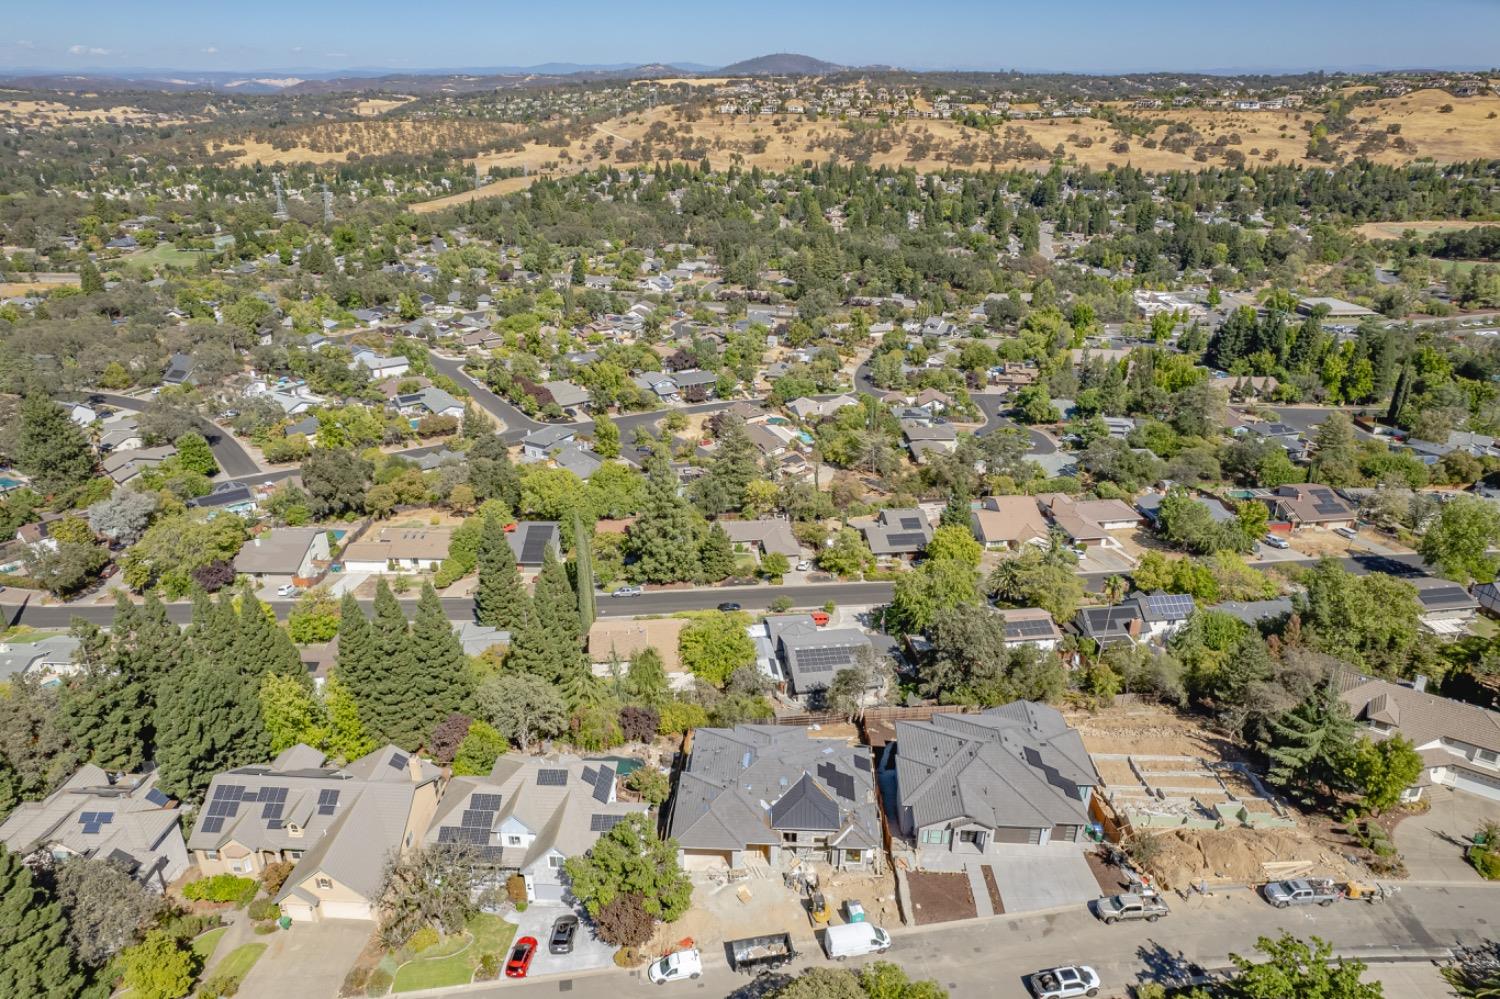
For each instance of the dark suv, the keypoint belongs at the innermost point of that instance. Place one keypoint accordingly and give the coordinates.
(564, 929)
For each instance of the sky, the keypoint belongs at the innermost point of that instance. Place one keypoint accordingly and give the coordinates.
(1097, 36)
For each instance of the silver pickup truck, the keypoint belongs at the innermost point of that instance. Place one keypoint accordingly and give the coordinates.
(1114, 908)
(1302, 891)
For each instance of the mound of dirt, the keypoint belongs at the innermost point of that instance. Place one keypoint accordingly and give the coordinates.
(1236, 856)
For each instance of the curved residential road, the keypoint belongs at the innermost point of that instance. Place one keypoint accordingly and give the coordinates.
(234, 459)
(991, 404)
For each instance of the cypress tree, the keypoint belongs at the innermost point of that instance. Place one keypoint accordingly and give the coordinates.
(50, 448)
(664, 539)
(356, 659)
(215, 627)
(393, 675)
(347, 738)
(159, 647)
(716, 556)
(207, 721)
(261, 645)
(500, 601)
(583, 550)
(35, 960)
(549, 643)
(441, 682)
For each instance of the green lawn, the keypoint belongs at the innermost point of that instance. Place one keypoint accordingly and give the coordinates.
(164, 255)
(239, 961)
(486, 934)
(203, 946)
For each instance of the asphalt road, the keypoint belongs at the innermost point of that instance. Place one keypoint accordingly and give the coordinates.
(989, 958)
(231, 455)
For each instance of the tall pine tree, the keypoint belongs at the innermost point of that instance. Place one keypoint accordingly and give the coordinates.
(384, 697)
(500, 601)
(665, 537)
(207, 721)
(1311, 746)
(583, 551)
(441, 682)
(716, 556)
(261, 645)
(50, 448)
(35, 960)
(549, 645)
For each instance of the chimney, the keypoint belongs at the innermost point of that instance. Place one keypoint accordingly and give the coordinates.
(1419, 682)
(1134, 627)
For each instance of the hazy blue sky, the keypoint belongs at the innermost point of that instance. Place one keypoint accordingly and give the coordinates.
(1082, 35)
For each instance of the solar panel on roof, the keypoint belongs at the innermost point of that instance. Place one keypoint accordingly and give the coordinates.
(843, 785)
(1027, 629)
(448, 834)
(478, 837)
(157, 798)
(231, 792)
(911, 524)
(485, 802)
(913, 540)
(534, 547)
(328, 801)
(863, 763)
(474, 819)
(604, 823)
(397, 761)
(590, 775)
(552, 778)
(213, 824)
(604, 784)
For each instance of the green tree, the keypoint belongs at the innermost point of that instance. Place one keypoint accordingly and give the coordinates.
(606, 437)
(735, 464)
(1458, 541)
(346, 733)
(1336, 460)
(314, 617)
(774, 565)
(91, 282)
(937, 585)
(50, 448)
(522, 707)
(337, 482)
(583, 564)
(384, 694)
(478, 751)
(1373, 621)
(715, 645)
(956, 542)
(716, 556)
(1290, 967)
(441, 684)
(35, 961)
(848, 555)
(500, 601)
(665, 537)
(1379, 771)
(550, 644)
(646, 681)
(630, 859)
(1311, 746)
(159, 967)
(194, 454)
(292, 713)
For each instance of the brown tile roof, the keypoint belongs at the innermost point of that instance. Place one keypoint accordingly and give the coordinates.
(624, 638)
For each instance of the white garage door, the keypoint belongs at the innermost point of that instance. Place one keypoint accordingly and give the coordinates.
(547, 892)
(1481, 784)
(345, 910)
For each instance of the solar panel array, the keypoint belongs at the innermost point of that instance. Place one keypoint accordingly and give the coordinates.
(552, 778)
(863, 763)
(1324, 501)
(1175, 604)
(911, 524)
(823, 660)
(913, 540)
(93, 820)
(534, 545)
(842, 783)
(328, 800)
(157, 798)
(485, 802)
(604, 784)
(397, 761)
(604, 823)
(458, 834)
(275, 801)
(473, 818)
(1027, 628)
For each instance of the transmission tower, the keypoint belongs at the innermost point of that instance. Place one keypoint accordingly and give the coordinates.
(327, 204)
(280, 199)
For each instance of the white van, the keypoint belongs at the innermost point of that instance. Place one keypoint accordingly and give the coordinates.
(854, 940)
(675, 967)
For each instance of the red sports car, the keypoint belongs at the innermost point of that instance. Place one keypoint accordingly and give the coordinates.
(520, 958)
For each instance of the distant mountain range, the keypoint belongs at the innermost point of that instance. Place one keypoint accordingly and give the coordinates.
(307, 80)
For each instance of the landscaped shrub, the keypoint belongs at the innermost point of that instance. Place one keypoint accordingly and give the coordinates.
(262, 929)
(219, 888)
(264, 908)
(422, 939)
(219, 987)
(515, 888)
(379, 982)
(1486, 862)
(354, 981)
(186, 926)
(275, 875)
(489, 968)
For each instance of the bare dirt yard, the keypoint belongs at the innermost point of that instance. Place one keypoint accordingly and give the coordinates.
(940, 898)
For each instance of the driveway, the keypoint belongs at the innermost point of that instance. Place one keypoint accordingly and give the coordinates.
(589, 952)
(1041, 877)
(1433, 844)
(1101, 559)
(308, 960)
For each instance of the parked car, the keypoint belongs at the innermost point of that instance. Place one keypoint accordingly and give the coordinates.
(520, 958)
(286, 590)
(758, 955)
(1276, 542)
(675, 967)
(1115, 908)
(1064, 983)
(1302, 891)
(627, 591)
(855, 939)
(729, 606)
(803, 565)
(1346, 532)
(564, 929)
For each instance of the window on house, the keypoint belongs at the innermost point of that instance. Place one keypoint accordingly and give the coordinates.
(513, 840)
(294, 855)
(1487, 756)
(853, 856)
(210, 854)
(555, 861)
(789, 837)
(325, 884)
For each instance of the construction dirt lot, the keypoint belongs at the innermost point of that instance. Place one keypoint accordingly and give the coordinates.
(1153, 761)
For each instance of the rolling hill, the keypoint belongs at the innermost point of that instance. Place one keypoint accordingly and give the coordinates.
(780, 64)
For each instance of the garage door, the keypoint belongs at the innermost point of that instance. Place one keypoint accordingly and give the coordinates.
(1004, 835)
(344, 910)
(546, 891)
(1064, 834)
(1480, 784)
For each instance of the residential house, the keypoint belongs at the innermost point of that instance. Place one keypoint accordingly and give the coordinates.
(1459, 743)
(1143, 617)
(226, 497)
(768, 795)
(79, 413)
(808, 409)
(179, 371)
(120, 818)
(577, 459)
(530, 814)
(612, 640)
(47, 660)
(1447, 607)
(532, 539)
(1310, 505)
(763, 537)
(899, 534)
(1088, 522)
(973, 784)
(1030, 626)
(695, 386)
(394, 549)
(1008, 522)
(120, 432)
(283, 552)
(338, 825)
(536, 445)
(430, 401)
(122, 466)
(567, 396)
(379, 366)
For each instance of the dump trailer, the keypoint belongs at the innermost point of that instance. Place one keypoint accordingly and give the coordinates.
(759, 955)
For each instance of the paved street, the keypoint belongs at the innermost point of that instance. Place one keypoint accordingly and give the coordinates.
(232, 456)
(989, 957)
